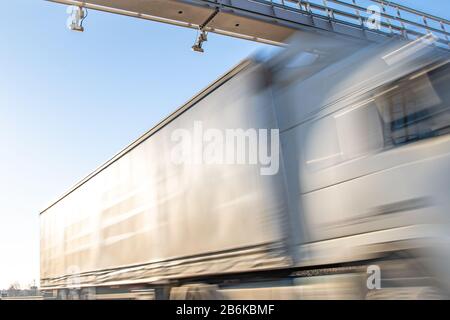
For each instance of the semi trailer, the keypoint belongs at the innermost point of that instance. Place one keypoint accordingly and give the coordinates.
(320, 171)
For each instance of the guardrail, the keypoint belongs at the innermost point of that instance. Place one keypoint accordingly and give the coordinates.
(381, 16)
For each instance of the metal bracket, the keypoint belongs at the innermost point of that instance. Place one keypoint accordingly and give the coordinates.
(203, 35)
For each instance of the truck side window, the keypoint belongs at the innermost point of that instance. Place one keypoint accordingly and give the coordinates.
(360, 129)
(416, 107)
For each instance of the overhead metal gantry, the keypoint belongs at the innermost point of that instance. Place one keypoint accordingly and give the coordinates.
(274, 21)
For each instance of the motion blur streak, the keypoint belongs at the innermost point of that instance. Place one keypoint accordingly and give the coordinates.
(359, 208)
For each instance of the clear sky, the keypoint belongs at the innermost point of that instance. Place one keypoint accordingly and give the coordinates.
(69, 101)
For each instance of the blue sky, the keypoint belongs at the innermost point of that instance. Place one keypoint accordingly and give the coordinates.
(69, 101)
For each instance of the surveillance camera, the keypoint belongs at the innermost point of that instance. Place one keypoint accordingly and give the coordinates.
(197, 48)
(75, 20)
(75, 27)
(202, 37)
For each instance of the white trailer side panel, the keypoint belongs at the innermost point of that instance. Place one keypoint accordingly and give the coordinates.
(143, 217)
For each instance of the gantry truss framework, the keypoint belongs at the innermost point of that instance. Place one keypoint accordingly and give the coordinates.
(273, 21)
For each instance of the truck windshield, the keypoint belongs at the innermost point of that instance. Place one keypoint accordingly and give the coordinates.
(416, 107)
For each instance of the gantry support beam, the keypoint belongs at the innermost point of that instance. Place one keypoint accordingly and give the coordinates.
(274, 21)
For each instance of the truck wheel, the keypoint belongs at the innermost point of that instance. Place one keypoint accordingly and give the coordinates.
(406, 277)
(61, 295)
(74, 295)
(87, 294)
(196, 292)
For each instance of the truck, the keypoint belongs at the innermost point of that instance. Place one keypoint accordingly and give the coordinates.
(320, 171)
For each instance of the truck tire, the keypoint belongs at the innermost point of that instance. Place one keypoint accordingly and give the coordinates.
(87, 294)
(61, 295)
(196, 292)
(73, 295)
(405, 276)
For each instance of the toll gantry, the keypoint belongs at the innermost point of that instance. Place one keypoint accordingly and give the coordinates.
(273, 21)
